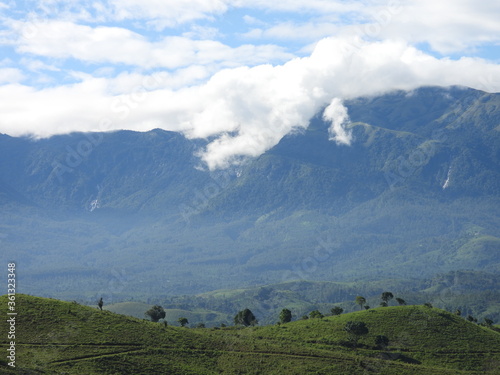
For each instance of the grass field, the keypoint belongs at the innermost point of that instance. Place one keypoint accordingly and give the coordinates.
(55, 337)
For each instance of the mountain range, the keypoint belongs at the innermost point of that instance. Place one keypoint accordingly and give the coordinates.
(129, 214)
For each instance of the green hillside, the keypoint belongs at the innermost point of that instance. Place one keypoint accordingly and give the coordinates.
(55, 337)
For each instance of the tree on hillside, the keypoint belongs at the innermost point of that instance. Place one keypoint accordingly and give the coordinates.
(383, 304)
(156, 313)
(488, 322)
(246, 318)
(183, 321)
(400, 301)
(355, 330)
(386, 297)
(337, 310)
(315, 314)
(360, 301)
(285, 316)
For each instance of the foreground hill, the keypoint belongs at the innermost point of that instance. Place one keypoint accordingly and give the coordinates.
(66, 338)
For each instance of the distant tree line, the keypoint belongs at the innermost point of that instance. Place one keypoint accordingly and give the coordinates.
(246, 317)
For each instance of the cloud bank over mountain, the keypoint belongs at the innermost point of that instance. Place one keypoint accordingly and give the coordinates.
(75, 70)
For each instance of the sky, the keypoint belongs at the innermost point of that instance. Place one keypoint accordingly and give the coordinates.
(240, 73)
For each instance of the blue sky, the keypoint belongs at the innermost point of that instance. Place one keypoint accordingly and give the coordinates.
(243, 72)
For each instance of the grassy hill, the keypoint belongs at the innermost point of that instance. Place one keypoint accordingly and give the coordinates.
(55, 337)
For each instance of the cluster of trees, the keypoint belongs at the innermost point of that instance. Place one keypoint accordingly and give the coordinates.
(361, 301)
(385, 298)
(244, 317)
(157, 313)
(354, 329)
(316, 314)
(247, 318)
(487, 322)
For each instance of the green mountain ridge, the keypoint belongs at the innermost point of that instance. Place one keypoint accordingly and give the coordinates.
(133, 214)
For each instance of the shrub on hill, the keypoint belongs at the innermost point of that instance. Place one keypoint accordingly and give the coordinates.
(156, 313)
(246, 318)
(355, 330)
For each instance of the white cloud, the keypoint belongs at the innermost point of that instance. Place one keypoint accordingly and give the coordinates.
(247, 110)
(11, 75)
(448, 26)
(159, 14)
(63, 39)
(55, 110)
(249, 20)
(337, 114)
(202, 32)
(187, 80)
(310, 31)
(37, 65)
(114, 45)
(6, 62)
(126, 83)
(310, 6)
(167, 13)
